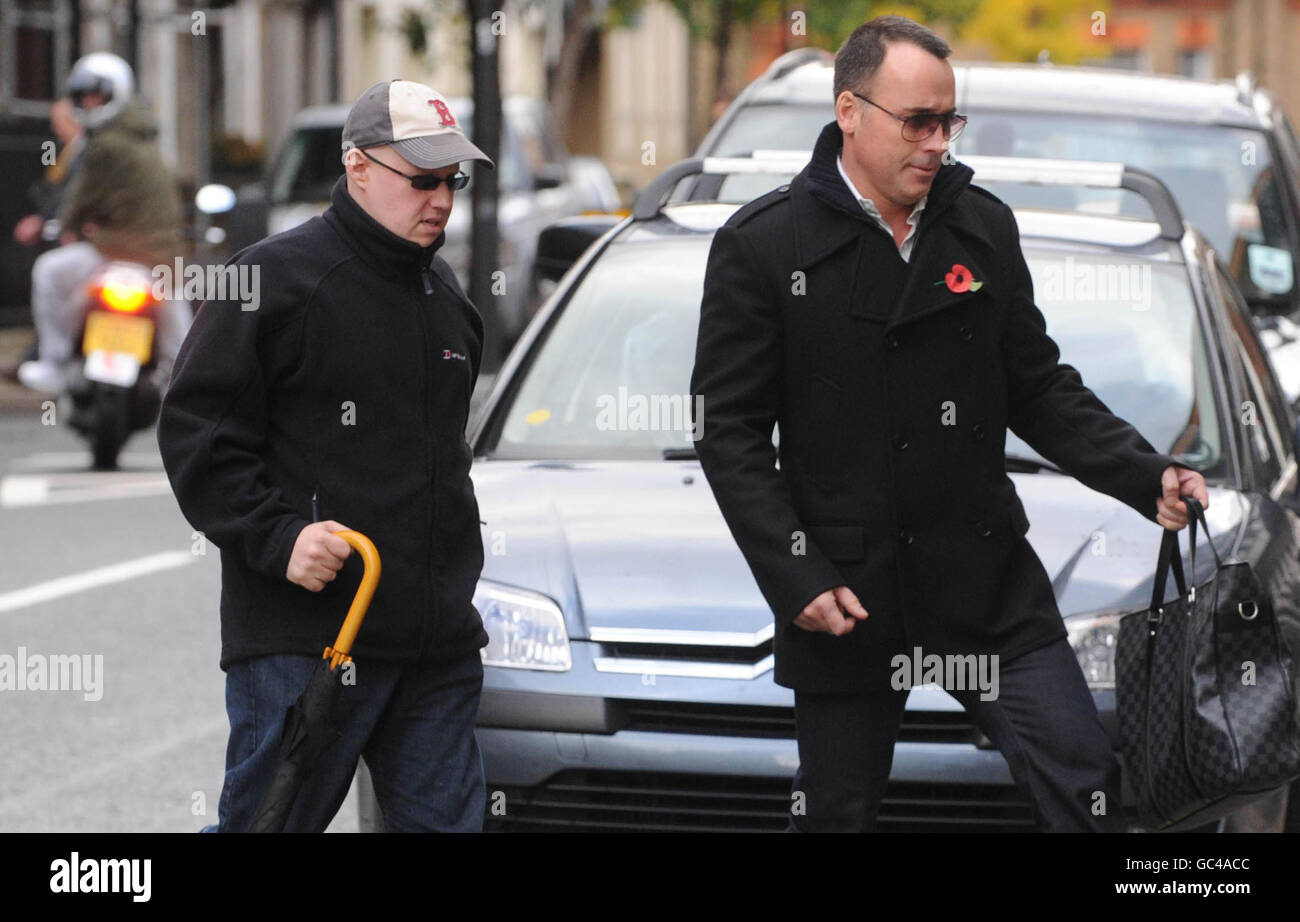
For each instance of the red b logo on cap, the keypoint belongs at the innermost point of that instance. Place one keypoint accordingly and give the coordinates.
(448, 120)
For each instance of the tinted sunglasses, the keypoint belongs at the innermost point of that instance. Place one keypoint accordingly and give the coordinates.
(427, 182)
(921, 126)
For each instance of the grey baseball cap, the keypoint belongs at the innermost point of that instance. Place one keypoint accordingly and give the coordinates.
(415, 119)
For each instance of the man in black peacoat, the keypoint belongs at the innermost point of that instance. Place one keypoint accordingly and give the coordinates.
(891, 523)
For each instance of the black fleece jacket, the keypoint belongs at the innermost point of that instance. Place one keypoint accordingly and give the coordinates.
(344, 396)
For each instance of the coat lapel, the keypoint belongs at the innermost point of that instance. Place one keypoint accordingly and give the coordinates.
(827, 219)
(820, 231)
(953, 238)
(820, 228)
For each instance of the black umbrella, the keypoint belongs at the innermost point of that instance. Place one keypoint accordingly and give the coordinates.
(308, 724)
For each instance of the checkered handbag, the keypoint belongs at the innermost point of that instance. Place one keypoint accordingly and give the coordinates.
(1203, 691)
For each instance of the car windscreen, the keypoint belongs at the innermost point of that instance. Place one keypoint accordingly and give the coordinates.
(308, 167)
(1130, 329)
(610, 378)
(1222, 177)
(772, 126)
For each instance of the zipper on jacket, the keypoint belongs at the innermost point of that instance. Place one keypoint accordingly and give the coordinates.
(432, 466)
(315, 512)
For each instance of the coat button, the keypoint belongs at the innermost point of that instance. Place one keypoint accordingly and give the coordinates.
(977, 432)
(982, 529)
(900, 443)
(891, 341)
(905, 536)
(966, 332)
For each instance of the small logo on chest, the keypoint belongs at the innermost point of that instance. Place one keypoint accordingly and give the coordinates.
(448, 354)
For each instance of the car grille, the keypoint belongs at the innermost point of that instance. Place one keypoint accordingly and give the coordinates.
(775, 722)
(580, 800)
(690, 653)
(741, 660)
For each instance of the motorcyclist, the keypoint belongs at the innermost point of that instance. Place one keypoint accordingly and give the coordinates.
(47, 194)
(122, 204)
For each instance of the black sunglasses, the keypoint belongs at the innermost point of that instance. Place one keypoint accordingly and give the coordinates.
(920, 126)
(427, 182)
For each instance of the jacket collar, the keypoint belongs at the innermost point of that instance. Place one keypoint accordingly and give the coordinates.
(376, 244)
(951, 233)
(828, 215)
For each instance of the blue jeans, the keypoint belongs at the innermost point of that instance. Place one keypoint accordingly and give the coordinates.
(412, 722)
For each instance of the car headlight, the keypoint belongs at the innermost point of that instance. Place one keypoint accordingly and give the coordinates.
(1093, 637)
(525, 629)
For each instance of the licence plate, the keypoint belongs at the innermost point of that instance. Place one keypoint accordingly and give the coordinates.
(107, 332)
(120, 368)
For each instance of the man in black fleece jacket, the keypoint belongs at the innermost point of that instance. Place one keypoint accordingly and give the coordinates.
(341, 396)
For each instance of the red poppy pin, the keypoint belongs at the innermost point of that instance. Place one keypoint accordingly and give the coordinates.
(959, 280)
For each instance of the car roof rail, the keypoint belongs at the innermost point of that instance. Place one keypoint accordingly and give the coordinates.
(796, 58)
(1246, 85)
(651, 200)
(1092, 174)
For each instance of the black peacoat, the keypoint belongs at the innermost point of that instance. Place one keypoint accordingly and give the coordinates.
(893, 384)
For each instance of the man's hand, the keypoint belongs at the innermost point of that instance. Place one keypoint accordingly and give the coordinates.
(1171, 512)
(318, 555)
(828, 611)
(28, 230)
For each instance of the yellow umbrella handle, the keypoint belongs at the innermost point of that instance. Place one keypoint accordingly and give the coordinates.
(339, 653)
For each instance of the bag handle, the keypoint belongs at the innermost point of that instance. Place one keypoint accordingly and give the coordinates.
(1171, 557)
(1198, 515)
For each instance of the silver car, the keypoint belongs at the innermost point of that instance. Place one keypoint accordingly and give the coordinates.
(628, 681)
(1226, 149)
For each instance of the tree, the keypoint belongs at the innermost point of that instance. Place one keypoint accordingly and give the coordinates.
(1020, 30)
(823, 25)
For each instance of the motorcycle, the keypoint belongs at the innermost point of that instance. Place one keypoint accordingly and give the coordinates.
(112, 385)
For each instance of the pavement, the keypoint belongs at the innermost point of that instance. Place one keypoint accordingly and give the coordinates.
(15, 398)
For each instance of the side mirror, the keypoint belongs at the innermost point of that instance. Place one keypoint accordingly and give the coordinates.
(214, 198)
(560, 244)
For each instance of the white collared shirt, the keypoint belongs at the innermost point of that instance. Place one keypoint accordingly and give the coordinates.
(904, 248)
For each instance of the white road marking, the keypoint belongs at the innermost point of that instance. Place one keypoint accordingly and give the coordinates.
(100, 576)
(51, 489)
(23, 491)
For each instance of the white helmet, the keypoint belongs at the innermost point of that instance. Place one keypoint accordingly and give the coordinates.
(106, 75)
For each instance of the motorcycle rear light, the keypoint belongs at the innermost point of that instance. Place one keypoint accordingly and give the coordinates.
(123, 287)
(124, 297)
